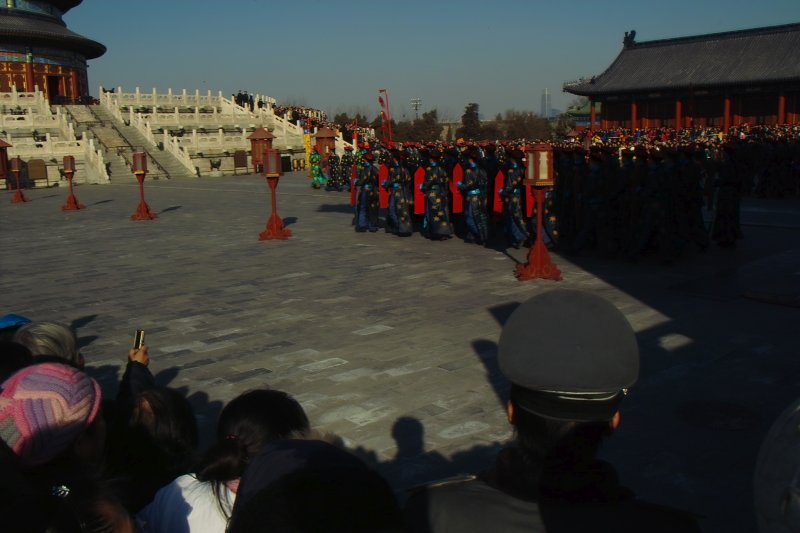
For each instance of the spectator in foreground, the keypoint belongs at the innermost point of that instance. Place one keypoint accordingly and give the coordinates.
(305, 486)
(202, 502)
(153, 445)
(51, 443)
(51, 341)
(565, 396)
(13, 357)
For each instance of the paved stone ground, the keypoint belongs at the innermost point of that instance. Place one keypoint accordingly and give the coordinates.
(391, 342)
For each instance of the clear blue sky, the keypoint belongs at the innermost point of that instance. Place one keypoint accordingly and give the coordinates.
(336, 54)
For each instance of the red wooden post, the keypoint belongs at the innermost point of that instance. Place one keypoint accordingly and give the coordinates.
(4, 146)
(603, 121)
(539, 173)
(726, 115)
(73, 83)
(272, 171)
(782, 109)
(592, 116)
(69, 171)
(678, 115)
(29, 82)
(633, 116)
(140, 169)
(16, 168)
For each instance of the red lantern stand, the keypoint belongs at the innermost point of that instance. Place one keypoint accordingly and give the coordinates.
(539, 171)
(69, 171)
(260, 141)
(16, 168)
(272, 171)
(140, 169)
(4, 170)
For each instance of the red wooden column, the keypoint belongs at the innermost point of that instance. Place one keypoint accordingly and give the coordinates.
(29, 73)
(592, 116)
(678, 115)
(73, 84)
(726, 114)
(781, 109)
(603, 117)
(633, 116)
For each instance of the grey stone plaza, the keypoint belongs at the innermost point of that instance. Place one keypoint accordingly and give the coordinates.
(390, 342)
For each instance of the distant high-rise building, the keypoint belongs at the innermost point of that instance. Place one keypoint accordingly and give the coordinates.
(546, 109)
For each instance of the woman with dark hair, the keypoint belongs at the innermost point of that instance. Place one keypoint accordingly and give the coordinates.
(151, 443)
(202, 502)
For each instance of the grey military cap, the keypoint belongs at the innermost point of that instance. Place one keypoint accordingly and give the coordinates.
(571, 354)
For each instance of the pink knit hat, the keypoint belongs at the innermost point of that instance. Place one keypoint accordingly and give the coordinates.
(43, 410)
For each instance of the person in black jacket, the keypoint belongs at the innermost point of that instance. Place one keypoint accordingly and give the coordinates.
(565, 398)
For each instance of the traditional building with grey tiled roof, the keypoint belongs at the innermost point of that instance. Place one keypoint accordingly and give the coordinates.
(38, 51)
(721, 79)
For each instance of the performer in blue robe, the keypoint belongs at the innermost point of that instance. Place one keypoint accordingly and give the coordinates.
(334, 175)
(368, 200)
(474, 189)
(511, 193)
(436, 224)
(346, 168)
(398, 220)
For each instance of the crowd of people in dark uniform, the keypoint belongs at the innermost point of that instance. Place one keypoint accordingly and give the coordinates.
(307, 117)
(656, 192)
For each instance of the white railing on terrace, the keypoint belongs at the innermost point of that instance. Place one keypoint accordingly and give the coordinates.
(83, 149)
(95, 163)
(35, 100)
(143, 126)
(197, 118)
(37, 114)
(155, 99)
(127, 107)
(139, 98)
(171, 146)
(213, 143)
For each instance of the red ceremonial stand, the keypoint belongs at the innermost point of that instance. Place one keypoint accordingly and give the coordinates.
(140, 169)
(19, 196)
(539, 264)
(272, 171)
(539, 173)
(69, 171)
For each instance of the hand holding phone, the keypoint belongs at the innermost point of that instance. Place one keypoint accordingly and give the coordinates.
(138, 353)
(138, 340)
